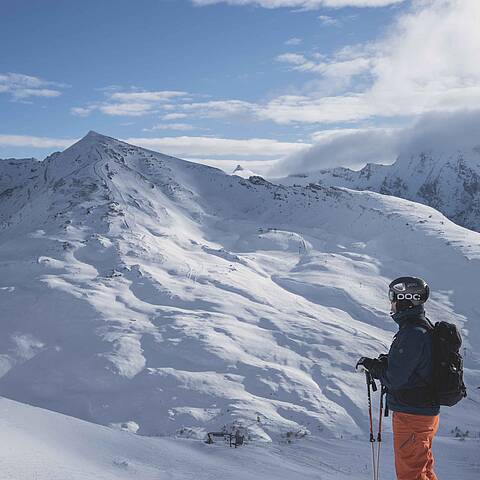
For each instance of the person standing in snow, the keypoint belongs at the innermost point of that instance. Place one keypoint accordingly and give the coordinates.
(406, 372)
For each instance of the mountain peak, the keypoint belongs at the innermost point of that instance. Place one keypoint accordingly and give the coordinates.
(243, 172)
(88, 150)
(92, 141)
(93, 136)
(92, 133)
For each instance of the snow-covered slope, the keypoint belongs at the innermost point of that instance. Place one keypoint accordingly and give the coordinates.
(42, 445)
(14, 173)
(449, 182)
(168, 297)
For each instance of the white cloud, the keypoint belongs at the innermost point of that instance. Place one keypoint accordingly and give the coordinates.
(430, 60)
(341, 68)
(329, 21)
(324, 136)
(220, 108)
(22, 87)
(134, 103)
(438, 132)
(82, 111)
(36, 92)
(294, 41)
(34, 142)
(128, 109)
(426, 63)
(146, 96)
(303, 109)
(171, 126)
(334, 75)
(174, 116)
(292, 58)
(345, 69)
(218, 147)
(302, 4)
(350, 148)
(441, 132)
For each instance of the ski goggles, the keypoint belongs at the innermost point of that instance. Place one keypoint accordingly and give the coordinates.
(416, 297)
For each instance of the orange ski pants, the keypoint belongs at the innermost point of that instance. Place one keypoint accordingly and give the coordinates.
(412, 442)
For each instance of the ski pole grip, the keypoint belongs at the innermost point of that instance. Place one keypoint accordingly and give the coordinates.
(370, 380)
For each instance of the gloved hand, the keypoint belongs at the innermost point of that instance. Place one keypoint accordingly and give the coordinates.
(374, 366)
(366, 363)
(383, 359)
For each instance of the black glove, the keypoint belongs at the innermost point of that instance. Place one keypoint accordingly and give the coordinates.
(366, 363)
(374, 366)
(383, 359)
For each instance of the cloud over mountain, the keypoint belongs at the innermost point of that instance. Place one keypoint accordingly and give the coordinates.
(438, 132)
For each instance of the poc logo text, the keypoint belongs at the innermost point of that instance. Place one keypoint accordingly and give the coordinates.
(408, 296)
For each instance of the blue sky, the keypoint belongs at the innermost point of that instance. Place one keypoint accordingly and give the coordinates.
(215, 82)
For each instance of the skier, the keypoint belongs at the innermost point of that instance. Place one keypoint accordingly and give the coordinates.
(406, 372)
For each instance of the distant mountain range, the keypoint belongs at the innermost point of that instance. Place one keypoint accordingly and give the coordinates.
(448, 182)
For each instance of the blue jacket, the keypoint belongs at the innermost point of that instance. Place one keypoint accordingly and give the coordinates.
(410, 365)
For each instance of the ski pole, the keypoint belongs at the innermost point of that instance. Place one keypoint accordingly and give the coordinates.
(371, 385)
(379, 433)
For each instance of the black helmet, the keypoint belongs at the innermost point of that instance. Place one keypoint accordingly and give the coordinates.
(408, 292)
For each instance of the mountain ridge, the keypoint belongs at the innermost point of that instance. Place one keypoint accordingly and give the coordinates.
(446, 181)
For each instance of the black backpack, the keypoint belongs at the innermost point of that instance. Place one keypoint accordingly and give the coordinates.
(448, 386)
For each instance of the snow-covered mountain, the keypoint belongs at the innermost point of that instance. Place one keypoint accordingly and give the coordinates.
(448, 182)
(243, 172)
(165, 297)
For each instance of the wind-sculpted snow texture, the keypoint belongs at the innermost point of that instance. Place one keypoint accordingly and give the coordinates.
(145, 292)
(448, 182)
